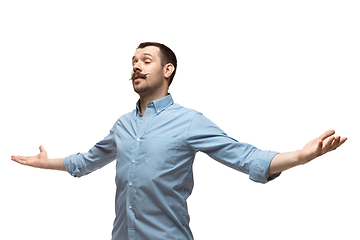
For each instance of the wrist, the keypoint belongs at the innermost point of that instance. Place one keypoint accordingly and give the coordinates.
(284, 161)
(56, 164)
(46, 163)
(297, 158)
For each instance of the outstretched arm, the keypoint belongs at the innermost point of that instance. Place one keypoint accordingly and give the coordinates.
(310, 151)
(41, 161)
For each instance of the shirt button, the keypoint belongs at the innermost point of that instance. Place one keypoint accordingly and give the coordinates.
(130, 207)
(130, 184)
(138, 139)
(140, 121)
(158, 110)
(133, 161)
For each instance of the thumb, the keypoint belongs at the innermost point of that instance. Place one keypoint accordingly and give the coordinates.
(42, 149)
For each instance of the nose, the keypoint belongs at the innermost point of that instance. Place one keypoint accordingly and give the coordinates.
(136, 67)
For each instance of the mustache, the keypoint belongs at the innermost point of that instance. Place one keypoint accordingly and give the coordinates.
(138, 74)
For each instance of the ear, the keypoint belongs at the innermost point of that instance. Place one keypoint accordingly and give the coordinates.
(168, 70)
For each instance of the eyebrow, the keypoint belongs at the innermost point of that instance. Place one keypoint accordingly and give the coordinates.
(144, 54)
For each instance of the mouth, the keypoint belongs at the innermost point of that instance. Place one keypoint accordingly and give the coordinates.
(138, 76)
(137, 79)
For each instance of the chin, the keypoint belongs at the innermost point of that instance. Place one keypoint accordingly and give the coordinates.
(140, 89)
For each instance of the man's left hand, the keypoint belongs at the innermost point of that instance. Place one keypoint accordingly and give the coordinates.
(327, 142)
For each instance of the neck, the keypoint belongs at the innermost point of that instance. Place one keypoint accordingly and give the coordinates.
(144, 100)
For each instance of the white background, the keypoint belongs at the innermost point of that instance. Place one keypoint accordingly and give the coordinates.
(275, 74)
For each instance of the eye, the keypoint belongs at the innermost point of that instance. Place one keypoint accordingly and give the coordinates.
(147, 61)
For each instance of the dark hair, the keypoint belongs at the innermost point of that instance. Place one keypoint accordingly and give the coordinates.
(167, 55)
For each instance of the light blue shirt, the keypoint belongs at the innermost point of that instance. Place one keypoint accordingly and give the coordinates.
(154, 158)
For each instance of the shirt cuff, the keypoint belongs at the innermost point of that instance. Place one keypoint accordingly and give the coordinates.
(259, 169)
(70, 166)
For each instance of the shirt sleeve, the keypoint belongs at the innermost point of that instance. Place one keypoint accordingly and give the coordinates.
(203, 135)
(99, 155)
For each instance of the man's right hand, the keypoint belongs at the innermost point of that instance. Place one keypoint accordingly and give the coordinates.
(40, 161)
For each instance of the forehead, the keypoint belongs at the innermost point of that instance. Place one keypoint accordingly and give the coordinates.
(147, 51)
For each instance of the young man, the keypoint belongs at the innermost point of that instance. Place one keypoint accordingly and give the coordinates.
(155, 146)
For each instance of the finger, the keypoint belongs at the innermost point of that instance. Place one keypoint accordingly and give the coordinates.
(342, 140)
(335, 144)
(338, 142)
(327, 145)
(319, 146)
(19, 159)
(327, 134)
(22, 158)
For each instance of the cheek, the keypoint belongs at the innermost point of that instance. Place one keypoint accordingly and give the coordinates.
(158, 76)
(154, 68)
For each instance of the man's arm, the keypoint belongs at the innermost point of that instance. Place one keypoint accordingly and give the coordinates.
(310, 151)
(41, 161)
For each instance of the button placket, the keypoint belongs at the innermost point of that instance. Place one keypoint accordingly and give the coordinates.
(141, 124)
(131, 204)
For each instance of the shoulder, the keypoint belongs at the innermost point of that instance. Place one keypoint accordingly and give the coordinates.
(198, 122)
(125, 118)
(183, 110)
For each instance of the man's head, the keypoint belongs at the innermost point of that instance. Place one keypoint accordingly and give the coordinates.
(154, 66)
(166, 55)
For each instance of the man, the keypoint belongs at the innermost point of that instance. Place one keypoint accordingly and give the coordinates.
(155, 146)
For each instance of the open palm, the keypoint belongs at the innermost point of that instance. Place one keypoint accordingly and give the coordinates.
(319, 146)
(38, 161)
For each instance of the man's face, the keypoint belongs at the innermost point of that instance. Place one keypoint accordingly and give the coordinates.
(147, 74)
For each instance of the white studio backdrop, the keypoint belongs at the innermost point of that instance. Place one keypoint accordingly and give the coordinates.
(275, 74)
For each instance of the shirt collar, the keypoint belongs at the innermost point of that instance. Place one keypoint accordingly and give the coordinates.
(159, 104)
